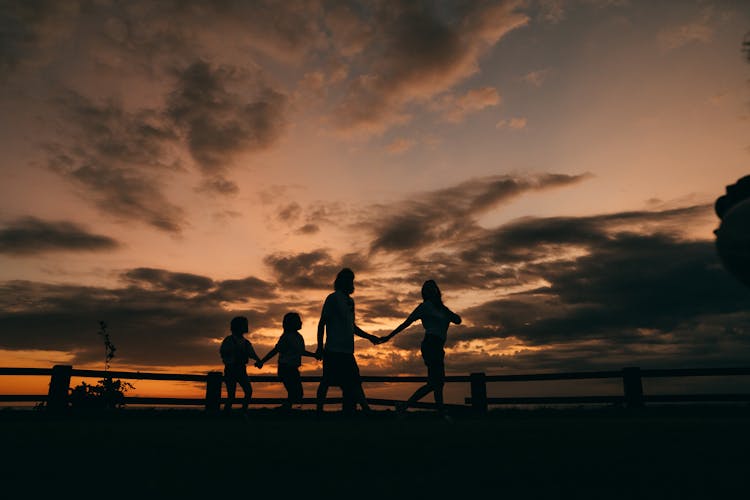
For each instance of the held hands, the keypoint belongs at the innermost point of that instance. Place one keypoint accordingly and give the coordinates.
(319, 353)
(381, 340)
(259, 364)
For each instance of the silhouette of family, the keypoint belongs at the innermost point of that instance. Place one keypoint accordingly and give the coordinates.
(336, 330)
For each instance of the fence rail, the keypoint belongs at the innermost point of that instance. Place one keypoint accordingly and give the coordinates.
(57, 397)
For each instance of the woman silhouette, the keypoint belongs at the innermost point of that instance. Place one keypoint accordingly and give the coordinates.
(436, 318)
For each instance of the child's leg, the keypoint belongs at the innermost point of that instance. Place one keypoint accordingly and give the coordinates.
(295, 390)
(231, 388)
(287, 378)
(244, 382)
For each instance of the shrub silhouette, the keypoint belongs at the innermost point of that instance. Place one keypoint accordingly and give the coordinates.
(107, 392)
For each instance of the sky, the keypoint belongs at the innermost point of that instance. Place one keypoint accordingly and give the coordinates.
(552, 164)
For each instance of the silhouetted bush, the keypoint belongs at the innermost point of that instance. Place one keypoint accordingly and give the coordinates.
(107, 392)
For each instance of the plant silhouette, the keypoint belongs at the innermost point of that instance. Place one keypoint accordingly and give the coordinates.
(107, 392)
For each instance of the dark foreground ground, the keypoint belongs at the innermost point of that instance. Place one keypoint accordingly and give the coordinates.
(613, 453)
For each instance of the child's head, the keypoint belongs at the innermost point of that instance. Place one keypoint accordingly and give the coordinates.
(238, 325)
(291, 322)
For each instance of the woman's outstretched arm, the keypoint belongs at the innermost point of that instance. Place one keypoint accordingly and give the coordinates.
(403, 326)
(455, 318)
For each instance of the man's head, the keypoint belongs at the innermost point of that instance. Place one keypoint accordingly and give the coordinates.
(238, 325)
(344, 281)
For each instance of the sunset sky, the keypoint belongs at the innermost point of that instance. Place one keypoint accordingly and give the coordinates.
(552, 164)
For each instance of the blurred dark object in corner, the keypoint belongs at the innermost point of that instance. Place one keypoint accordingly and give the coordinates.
(733, 234)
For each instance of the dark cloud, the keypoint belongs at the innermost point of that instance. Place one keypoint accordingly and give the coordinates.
(29, 236)
(161, 279)
(219, 123)
(316, 269)
(244, 289)
(234, 290)
(622, 288)
(28, 27)
(160, 317)
(220, 185)
(420, 49)
(290, 212)
(119, 158)
(450, 213)
(379, 308)
(308, 229)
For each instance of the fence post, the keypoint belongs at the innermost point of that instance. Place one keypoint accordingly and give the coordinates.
(479, 392)
(59, 386)
(633, 387)
(213, 391)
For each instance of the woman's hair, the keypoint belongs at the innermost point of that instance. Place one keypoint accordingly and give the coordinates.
(291, 321)
(431, 293)
(344, 281)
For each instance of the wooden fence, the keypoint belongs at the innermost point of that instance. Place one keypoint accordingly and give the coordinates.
(57, 398)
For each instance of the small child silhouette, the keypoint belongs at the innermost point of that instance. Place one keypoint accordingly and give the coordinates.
(235, 352)
(290, 348)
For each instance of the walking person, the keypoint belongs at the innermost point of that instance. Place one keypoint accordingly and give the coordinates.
(290, 348)
(436, 317)
(235, 352)
(337, 324)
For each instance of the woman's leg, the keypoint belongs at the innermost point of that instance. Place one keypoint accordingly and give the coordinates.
(418, 394)
(436, 381)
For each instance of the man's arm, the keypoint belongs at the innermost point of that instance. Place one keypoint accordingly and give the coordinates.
(361, 333)
(321, 329)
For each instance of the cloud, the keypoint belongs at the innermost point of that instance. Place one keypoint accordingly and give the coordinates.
(699, 31)
(161, 279)
(308, 229)
(418, 53)
(606, 282)
(350, 34)
(313, 270)
(536, 78)
(456, 108)
(516, 123)
(119, 158)
(400, 145)
(169, 320)
(218, 123)
(240, 290)
(555, 11)
(290, 212)
(27, 29)
(448, 214)
(158, 317)
(31, 236)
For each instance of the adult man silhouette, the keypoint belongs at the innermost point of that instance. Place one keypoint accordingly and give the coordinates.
(337, 324)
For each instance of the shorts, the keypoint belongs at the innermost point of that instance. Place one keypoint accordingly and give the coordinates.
(434, 357)
(340, 369)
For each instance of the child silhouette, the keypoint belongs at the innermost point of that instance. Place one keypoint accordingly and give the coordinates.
(290, 348)
(235, 352)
